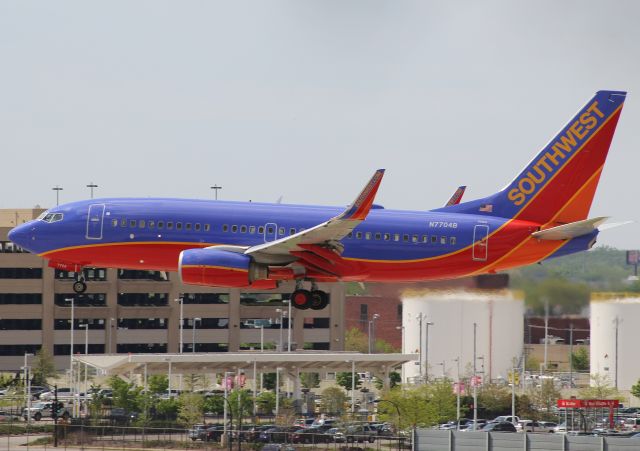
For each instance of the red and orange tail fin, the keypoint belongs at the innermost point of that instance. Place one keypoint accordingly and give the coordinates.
(558, 185)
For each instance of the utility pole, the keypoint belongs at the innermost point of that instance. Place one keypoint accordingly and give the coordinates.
(215, 188)
(546, 331)
(617, 323)
(57, 189)
(426, 352)
(419, 318)
(458, 395)
(571, 355)
(91, 186)
(475, 380)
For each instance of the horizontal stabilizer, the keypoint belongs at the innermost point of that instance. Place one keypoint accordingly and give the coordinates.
(571, 230)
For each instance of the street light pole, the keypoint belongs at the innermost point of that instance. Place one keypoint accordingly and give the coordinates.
(57, 189)
(181, 301)
(419, 318)
(215, 188)
(426, 351)
(27, 383)
(475, 380)
(372, 333)
(289, 327)
(91, 186)
(282, 315)
(86, 352)
(193, 338)
(71, 344)
(458, 394)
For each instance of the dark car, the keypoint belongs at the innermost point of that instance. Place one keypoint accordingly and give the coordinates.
(502, 426)
(335, 435)
(276, 434)
(360, 433)
(311, 435)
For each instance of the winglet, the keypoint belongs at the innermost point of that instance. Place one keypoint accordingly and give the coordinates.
(359, 209)
(457, 196)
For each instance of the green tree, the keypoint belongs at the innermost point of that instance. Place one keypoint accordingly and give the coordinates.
(241, 404)
(345, 380)
(190, 408)
(356, 340)
(635, 389)
(158, 384)
(544, 398)
(269, 381)
(580, 359)
(441, 405)
(600, 388)
(43, 367)
(394, 379)
(167, 408)
(266, 402)
(310, 380)
(494, 400)
(126, 395)
(333, 401)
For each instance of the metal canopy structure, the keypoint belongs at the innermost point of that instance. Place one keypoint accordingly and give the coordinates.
(195, 363)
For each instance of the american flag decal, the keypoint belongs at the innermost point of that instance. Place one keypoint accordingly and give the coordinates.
(488, 208)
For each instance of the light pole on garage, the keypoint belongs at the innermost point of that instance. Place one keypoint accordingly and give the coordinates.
(215, 188)
(372, 332)
(57, 189)
(181, 301)
(91, 186)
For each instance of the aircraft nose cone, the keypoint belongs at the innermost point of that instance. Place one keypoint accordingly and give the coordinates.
(18, 235)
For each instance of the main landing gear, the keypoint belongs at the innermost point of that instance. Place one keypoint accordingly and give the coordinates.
(313, 299)
(79, 286)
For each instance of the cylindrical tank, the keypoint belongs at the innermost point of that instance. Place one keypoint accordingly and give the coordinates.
(615, 334)
(498, 315)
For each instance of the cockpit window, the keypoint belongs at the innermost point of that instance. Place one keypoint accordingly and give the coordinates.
(51, 217)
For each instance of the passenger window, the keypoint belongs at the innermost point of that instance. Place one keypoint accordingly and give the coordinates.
(142, 223)
(281, 231)
(178, 226)
(207, 227)
(114, 223)
(243, 229)
(396, 237)
(414, 238)
(225, 228)
(387, 236)
(234, 228)
(292, 231)
(261, 230)
(443, 240)
(452, 240)
(252, 229)
(123, 222)
(434, 239)
(367, 235)
(359, 235)
(196, 227)
(378, 235)
(187, 226)
(161, 224)
(132, 223)
(425, 239)
(152, 224)
(270, 229)
(350, 235)
(169, 225)
(405, 238)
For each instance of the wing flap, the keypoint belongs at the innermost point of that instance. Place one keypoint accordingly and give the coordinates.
(571, 230)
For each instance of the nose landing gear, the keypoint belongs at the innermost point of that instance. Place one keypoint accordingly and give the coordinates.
(304, 299)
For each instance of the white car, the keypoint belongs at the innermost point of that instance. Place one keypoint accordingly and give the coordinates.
(535, 426)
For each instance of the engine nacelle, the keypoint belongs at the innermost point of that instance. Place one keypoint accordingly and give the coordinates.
(218, 268)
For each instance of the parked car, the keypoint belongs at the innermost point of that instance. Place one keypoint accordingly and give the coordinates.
(360, 433)
(336, 435)
(468, 427)
(63, 392)
(304, 422)
(535, 426)
(501, 426)
(8, 417)
(277, 447)
(45, 409)
(514, 420)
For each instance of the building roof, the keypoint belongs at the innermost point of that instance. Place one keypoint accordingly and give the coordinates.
(194, 363)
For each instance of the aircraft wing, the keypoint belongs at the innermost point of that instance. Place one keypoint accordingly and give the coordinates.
(325, 235)
(457, 196)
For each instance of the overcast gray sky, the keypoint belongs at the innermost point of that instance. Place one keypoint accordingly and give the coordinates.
(305, 99)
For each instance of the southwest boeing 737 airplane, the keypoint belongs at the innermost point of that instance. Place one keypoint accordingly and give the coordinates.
(541, 214)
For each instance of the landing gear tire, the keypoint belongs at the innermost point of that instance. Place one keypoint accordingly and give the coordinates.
(79, 286)
(319, 300)
(301, 299)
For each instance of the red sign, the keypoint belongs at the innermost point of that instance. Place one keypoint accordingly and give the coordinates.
(585, 403)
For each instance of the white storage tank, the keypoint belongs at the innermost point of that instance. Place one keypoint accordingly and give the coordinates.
(499, 319)
(615, 315)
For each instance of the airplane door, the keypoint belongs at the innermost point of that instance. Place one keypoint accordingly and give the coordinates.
(480, 242)
(95, 219)
(270, 232)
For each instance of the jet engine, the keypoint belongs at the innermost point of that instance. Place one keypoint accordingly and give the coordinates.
(220, 268)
